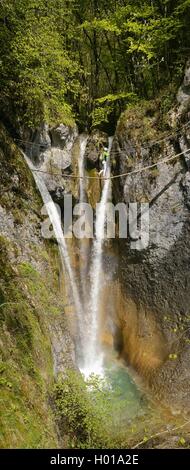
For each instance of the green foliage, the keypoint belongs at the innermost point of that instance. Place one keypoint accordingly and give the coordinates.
(106, 105)
(36, 70)
(173, 357)
(26, 372)
(91, 413)
(79, 408)
(111, 98)
(30, 302)
(61, 60)
(182, 442)
(134, 47)
(101, 114)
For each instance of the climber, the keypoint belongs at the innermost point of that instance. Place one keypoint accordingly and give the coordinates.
(104, 160)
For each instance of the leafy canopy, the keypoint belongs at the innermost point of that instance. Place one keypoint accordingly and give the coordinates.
(87, 59)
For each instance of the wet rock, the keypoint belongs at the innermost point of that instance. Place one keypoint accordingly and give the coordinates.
(15, 182)
(58, 194)
(26, 236)
(63, 136)
(40, 141)
(94, 147)
(183, 96)
(51, 151)
(35, 338)
(62, 346)
(185, 183)
(45, 138)
(157, 279)
(184, 143)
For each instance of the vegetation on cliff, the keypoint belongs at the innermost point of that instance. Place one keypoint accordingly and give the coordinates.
(30, 305)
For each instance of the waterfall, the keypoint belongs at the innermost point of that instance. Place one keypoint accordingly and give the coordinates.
(93, 354)
(55, 220)
(87, 306)
(84, 243)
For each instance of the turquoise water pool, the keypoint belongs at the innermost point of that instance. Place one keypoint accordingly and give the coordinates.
(129, 399)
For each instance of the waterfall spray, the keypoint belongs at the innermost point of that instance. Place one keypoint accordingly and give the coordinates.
(84, 244)
(89, 353)
(55, 220)
(93, 354)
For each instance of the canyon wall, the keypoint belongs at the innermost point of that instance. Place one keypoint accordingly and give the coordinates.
(35, 341)
(154, 317)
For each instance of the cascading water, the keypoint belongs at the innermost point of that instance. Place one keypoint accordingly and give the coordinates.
(92, 348)
(55, 220)
(84, 245)
(89, 355)
(95, 360)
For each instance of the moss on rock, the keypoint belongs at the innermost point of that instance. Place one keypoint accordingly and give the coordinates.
(31, 304)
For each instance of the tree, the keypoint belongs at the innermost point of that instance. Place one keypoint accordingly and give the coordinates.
(88, 59)
(37, 72)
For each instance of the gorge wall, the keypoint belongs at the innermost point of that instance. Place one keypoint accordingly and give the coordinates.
(154, 318)
(35, 341)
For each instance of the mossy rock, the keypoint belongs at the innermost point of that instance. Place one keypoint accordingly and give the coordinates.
(30, 302)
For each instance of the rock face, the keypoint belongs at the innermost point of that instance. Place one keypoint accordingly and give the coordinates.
(183, 96)
(155, 281)
(51, 152)
(95, 143)
(63, 136)
(35, 342)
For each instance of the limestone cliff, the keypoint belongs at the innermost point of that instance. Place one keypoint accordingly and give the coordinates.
(154, 317)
